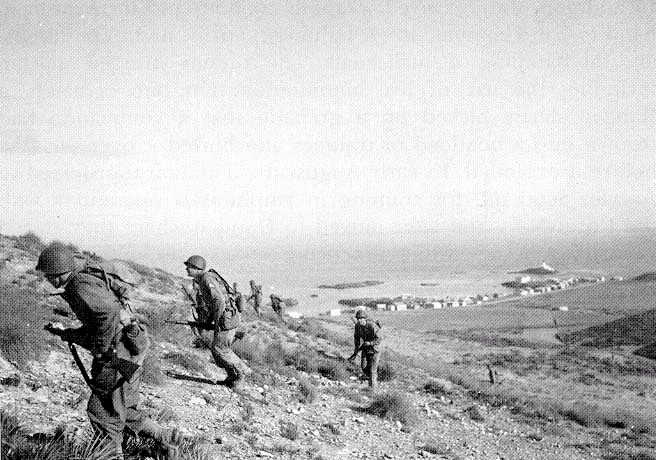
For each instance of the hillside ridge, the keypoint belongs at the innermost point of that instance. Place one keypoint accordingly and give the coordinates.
(303, 401)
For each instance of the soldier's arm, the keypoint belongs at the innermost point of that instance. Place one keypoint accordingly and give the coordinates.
(356, 340)
(219, 307)
(377, 337)
(79, 335)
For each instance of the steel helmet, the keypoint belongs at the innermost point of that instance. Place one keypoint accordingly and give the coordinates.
(361, 314)
(196, 262)
(55, 260)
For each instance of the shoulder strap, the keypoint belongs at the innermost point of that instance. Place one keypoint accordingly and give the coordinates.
(228, 288)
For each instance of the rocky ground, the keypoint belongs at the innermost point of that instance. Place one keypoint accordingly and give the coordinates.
(268, 417)
(265, 418)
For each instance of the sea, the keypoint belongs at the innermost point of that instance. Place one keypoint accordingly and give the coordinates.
(429, 263)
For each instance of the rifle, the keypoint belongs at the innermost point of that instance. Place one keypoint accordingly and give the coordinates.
(125, 367)
(194, 324)
(355, 353)
(204, 326)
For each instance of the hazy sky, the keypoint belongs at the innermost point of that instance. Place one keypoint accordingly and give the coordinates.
(175, 121)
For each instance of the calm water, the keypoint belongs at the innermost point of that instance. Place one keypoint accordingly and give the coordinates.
(458, 264)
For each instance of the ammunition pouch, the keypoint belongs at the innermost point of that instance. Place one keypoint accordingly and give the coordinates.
(135, 338)
(230, 319)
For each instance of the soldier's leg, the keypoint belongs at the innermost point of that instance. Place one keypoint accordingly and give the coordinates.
(107, 411)
(373, 369)
(224, 356)
(364, 364)
(107, 421)
(137, 424)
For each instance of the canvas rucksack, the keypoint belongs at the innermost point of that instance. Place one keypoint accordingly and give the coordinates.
(119, 281)
(235, 298)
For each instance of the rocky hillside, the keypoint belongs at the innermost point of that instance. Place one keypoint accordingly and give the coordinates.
(436, 399)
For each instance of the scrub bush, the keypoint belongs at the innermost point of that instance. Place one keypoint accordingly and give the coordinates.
(22, 337)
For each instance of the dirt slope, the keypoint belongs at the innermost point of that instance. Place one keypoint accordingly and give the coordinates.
(266, 418)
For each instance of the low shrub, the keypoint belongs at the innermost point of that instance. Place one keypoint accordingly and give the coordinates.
(289, 430)
(31, 243)
(475, 413)
(333, 428)
(436, 388)
(155, 315)
(332, 370)
(437, 448)
(190, 362)
(386, 372)
(18, 446)
(301, 360)
(307, 392)
(274, 355)
(393, 406)
(22, 337)
(249, 350)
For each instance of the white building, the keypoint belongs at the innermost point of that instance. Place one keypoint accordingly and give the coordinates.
(335, 312)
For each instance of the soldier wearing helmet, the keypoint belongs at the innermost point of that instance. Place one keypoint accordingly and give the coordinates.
(366, 340)
(213, 307)
(256, 297)
(112, 407)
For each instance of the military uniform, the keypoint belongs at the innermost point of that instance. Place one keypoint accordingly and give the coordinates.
(256, 297)
(366, 339)
(112, 407)
(212, 306)
(277, 304)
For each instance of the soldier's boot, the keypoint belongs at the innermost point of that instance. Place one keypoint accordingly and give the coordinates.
(168, 438)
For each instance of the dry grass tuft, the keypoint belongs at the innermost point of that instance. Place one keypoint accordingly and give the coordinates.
(22, 337)
(394, 406)
(307, 392)
(187, 361)
(289, 430)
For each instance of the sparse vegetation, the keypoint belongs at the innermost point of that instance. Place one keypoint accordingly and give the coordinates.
(394, 406)
(386, 371)
(436, 388)
(332, 369)
(152, 372)
(283, 353)
(307, 391)
(31, 243)
(22, 337)
(289, 430)
(187, 361)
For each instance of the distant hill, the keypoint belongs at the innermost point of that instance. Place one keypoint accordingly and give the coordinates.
(350, 285)
(542, 270)
(635, 329)
(649, 276)
(648, 351)
(614, 297)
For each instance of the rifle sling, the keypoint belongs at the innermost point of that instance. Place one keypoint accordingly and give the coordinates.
(85, 375)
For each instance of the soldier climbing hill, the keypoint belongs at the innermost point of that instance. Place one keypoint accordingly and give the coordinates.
(118, 351)
(366, 340)
(214, 307)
